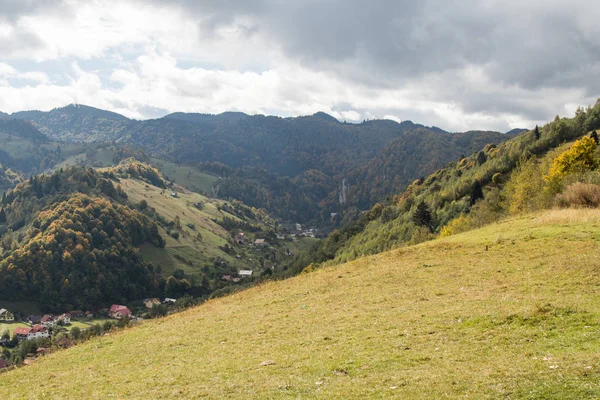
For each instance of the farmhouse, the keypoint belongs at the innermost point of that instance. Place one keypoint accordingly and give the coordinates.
(37, 332)
(169, 300)
(65, 319)
(245, 273)
(6, 315)
(48, 321)
(260, 242)
(149, 303)
(118, 311)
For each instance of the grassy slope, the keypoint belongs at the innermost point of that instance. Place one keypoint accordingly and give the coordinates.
(442, 319)
(169, 207)
(187, 176)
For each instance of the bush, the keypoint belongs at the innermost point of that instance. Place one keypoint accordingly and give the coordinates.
(580, 195)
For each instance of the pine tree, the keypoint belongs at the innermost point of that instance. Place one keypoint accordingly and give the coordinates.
(422, 215)
(476, 192)
(536, 132)
(594, 135)
(2, 216)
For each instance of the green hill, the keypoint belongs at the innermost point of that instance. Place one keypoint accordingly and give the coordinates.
(507, 311)
(291, 167)
(500, 180)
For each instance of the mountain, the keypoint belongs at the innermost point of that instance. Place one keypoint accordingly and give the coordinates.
(516, 131)
(555, 165)
(77, 122)
(82, 238)
(499, 312)
(292, 167)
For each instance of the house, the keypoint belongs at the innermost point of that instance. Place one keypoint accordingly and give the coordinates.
(65, 318)
(169, 300)
(37, 332)
(89, 314)
(280, 236)
(173, 194)
(34, 319)
(228, 278)
(4, 364)
(149, 303)
(48, 321)
(260, 242)
(298, 227)
(76, 314)
(245, 273)
(240, 238)
(6, 316)
(118, 311)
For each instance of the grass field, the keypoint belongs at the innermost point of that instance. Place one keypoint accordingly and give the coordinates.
(197, 252)
(187, 176)
(508, 311)
(11, 327)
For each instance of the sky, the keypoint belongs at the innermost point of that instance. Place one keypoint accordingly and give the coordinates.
(459, 65)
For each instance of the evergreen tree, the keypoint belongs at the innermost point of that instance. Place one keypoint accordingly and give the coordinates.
(536, 132)
(422, 216)
(594, 135)
(476, 192)
(2, 216)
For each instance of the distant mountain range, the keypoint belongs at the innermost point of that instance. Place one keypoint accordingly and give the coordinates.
(269, 157)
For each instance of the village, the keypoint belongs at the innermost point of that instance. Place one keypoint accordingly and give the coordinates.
(62, 330)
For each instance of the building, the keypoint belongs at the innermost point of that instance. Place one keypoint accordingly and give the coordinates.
(76, 314)
(48, 321)
(260, 242)
(65, 319)
(245, 273)
(34, 319)
(118, 311)
(37, 332)
(169, 300)
(149, 303)
(6, 316)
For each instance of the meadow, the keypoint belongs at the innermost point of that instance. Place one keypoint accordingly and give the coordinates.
(511, 310)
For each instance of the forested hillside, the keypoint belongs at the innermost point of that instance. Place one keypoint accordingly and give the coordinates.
(538, 169)
(293, 167)
(78, 123)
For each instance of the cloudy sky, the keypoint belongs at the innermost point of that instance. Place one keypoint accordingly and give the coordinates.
(455, 64)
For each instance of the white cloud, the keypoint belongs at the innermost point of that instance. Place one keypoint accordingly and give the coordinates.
(477, 66)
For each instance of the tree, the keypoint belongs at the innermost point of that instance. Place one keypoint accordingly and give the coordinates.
(158, 310)
(422, 216)
(536, 133)
(75, 332)
(593, 135)
(476, 192)
(481, 157)
(2, 216)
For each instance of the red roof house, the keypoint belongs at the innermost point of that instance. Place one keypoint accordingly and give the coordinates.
(118, 311)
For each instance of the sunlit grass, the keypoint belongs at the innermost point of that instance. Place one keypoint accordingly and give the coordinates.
(508, 311)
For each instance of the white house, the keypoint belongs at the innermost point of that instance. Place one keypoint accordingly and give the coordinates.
(65, 318)
(245, 273)
(37, 332)
(48, 321)
(6, 315)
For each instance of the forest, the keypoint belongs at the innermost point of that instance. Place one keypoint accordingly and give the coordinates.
(550, 166)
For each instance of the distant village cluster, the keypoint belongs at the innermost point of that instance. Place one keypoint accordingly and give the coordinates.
(40, 327)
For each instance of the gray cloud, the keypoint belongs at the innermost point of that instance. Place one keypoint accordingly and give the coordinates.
(525, 59)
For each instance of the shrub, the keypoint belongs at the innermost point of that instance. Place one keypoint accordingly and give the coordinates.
(580, 195)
